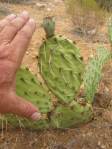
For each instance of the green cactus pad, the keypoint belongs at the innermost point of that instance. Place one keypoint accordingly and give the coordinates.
(61, 67)
(28, 87)
(66, 116)
(18, 122)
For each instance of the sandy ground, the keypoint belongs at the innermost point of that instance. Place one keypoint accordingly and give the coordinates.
(94, 135)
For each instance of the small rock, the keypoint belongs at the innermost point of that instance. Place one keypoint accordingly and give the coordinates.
(33, 56)
(27, 52)
(99, 143)
(106, 89)
(48, 9)
(92, 32)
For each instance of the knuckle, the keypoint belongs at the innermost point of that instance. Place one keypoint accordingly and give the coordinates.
(4, 52)
(13, 25)
(16, 23)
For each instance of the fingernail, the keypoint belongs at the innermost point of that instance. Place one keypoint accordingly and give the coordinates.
(11, 16)
(24, 13)
(36, 116)
(32, 22)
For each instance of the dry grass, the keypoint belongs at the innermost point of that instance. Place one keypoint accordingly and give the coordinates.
(4, 10)
(86, 16)
(105, 4)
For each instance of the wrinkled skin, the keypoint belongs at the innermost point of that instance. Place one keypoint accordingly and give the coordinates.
(15, 34)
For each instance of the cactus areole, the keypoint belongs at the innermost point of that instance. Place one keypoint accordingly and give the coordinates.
(63, 72)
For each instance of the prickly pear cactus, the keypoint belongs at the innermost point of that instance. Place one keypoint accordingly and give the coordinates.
(75, 114)
(31, 89)
(63, 71)
(28, 87)
(60, 65)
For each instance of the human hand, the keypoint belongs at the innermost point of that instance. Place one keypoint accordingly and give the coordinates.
(15, 35)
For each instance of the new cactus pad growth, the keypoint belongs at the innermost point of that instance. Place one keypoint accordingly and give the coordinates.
(63, 72)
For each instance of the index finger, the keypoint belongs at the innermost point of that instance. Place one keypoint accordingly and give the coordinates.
(21, 41)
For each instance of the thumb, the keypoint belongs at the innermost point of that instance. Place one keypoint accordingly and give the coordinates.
(21, 107)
